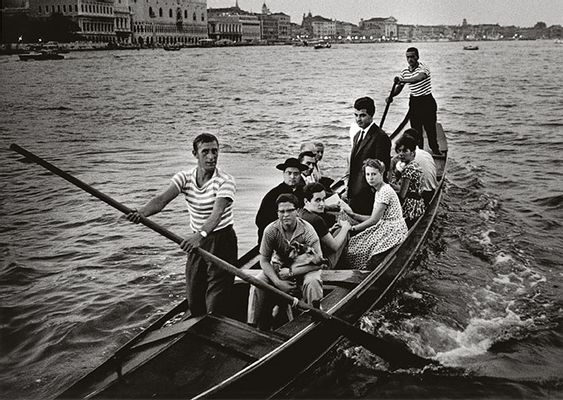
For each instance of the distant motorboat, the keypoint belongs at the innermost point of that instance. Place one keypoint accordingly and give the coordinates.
(40, 56)
(173, 47)
(470, 47)
(322, 45)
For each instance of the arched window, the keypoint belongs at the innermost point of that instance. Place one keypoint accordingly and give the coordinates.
(185, 14)
(160, 12)
(39, 9)
(202, 17)
(194, 18)
(151, 12)
(170, 13)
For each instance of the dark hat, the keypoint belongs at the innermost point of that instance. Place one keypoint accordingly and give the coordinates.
(291, 162)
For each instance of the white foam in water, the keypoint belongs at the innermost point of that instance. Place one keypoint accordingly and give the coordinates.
(476, 338)
(485, 238)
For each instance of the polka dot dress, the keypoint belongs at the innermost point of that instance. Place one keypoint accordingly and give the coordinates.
(413, 208)
(390, 231)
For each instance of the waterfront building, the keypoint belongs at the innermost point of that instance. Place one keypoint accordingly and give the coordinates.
(160, 22)
(251, 31)
(379, 28)
(318, 26)
(238, 25)
(95, 18)
(225, 27)
(144, 22)
(284, 26)
(123, 14)
(235, 24)
(345, 30)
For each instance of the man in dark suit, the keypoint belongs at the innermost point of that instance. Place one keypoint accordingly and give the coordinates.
(268, 211)
(369, 142)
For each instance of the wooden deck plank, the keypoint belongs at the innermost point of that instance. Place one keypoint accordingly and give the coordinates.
(165, 333)
(235, 336)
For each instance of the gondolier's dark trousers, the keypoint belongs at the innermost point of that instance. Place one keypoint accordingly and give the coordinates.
(422, 113)
(208, 286)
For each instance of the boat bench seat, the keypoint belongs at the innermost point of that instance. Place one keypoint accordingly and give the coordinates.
(336, 277)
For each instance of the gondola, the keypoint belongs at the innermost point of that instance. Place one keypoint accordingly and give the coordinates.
(220, 357)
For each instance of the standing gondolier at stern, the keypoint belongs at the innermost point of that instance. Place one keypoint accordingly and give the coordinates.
(422, 106)
(209, 194)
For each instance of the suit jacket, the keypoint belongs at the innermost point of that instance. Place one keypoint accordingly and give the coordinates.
(375, 144)
(268, 211)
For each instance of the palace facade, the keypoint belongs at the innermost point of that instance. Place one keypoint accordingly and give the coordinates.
(144, 22)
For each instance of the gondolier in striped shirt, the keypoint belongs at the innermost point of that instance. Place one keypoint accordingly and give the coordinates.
(422, 106)
(209, 194)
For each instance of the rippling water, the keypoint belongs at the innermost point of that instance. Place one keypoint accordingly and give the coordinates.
(77, 282)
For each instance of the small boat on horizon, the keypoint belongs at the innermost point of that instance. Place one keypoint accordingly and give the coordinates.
(470, 47)
(41, 55)
(172, 47)
(322, 45)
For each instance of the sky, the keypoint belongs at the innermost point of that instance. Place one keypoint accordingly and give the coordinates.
(523, 13)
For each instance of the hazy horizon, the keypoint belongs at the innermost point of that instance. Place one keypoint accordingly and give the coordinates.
(523, 13)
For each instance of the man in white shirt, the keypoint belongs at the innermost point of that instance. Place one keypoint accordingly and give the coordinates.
(422, 106)
(209, 193)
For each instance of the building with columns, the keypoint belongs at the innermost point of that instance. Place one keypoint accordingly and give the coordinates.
(379, 27)
(159, 22)
(96, 18)
(144, 22)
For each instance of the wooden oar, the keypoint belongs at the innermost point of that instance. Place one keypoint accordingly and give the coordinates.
(396, 354)
(388, 104)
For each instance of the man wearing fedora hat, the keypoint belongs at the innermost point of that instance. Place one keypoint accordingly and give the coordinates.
(267, 212)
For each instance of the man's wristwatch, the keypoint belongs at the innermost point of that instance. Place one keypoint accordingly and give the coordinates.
(203, 234)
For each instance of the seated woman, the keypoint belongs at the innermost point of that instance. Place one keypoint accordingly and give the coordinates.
(409, 182)
(384, 229)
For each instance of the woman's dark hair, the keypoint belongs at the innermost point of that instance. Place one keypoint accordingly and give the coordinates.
(407, 141)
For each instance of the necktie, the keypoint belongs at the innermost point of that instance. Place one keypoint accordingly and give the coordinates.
(361, 136)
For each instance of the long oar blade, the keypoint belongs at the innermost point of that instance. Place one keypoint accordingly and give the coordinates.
(397, 354)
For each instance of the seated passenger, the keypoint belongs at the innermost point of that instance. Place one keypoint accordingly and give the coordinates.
(410, 183)
(426, 163)
(312, 147)
(292, 169)
(281, 238)
(379, 232)
(309, 160)
(333, 236)
(325, 180)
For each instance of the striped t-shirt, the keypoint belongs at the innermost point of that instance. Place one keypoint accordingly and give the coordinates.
(201, 200)
(421, 88)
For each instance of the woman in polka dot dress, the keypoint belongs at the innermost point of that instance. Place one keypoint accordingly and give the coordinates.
(384, 229)
(409, 186)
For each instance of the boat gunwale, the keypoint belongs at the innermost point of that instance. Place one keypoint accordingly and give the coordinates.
(357, 291)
